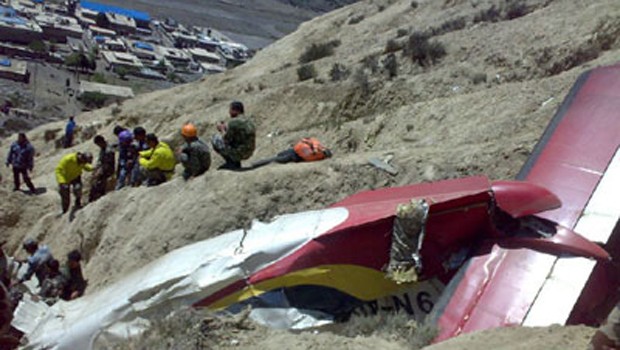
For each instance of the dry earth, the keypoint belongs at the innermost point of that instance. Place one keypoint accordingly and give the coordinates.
(437, 122)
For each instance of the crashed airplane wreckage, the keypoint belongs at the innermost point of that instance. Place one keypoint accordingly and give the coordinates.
(314, 267)
(471, 253)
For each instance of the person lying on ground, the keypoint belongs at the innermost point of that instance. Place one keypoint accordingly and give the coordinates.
(308, 149)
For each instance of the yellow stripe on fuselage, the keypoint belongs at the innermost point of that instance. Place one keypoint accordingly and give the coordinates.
(360, 282)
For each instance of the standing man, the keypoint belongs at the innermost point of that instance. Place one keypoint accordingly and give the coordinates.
(127, 155)
(69, 173)
(139, 144)
(158, 162)
(103, 170)
(69, 131)
(194, 154)
(21, 157)
(237, 139)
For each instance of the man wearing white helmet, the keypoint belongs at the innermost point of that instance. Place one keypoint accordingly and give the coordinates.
(69, 173)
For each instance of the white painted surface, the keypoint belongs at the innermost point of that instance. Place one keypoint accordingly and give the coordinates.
(180, 278)
(570, 275)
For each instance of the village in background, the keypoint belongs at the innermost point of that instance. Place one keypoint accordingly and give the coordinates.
(58, 58)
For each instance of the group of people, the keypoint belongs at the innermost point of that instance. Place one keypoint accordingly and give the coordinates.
(54, 282)
(144, 159)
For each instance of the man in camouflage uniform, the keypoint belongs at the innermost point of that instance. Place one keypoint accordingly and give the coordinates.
(194, 154)
(237, 139)
(103, 170)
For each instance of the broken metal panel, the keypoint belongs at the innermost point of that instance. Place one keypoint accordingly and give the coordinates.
(178, 279)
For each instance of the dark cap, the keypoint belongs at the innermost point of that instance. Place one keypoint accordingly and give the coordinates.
(237, 106)
(53, 264)
(118, 129)
(98, 139)
(30, 242)
(139, 131)
(151, 137)
(74, 255)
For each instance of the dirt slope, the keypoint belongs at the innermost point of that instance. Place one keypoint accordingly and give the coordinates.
(437, 122)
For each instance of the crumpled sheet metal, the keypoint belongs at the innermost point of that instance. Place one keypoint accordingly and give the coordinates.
(176, 280)
(407, 236)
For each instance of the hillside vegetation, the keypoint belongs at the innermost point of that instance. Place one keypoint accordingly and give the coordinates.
(443, 89)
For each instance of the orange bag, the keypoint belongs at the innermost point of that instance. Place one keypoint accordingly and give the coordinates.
(310, 149)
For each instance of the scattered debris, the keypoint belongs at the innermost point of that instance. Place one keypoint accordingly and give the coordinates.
(384, 164)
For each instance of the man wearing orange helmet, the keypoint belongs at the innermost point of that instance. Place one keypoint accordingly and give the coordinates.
(194, 154)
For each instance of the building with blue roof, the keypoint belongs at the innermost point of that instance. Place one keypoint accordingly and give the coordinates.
(142, 19)
(18, 29)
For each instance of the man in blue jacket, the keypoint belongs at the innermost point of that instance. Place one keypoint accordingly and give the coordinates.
(21, 157)
(69, 131)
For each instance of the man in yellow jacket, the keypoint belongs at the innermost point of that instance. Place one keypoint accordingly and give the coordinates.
(69, 173)
(158, 162)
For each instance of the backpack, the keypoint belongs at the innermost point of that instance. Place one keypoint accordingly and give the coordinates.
(310, 149)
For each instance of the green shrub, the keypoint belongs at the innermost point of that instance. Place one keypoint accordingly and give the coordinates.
(390, 63)
(175, 78)
(356, 19)
(392, 46)
(449, 26)
(306, 72)
(361, 80)
(479, 78)
(401, 32)
(339, 72)
(424, 52)
(93, 99)
(37, 46)
(516, 9)
(492, 14)
(371, 62)
(318, 51)
(99, 78)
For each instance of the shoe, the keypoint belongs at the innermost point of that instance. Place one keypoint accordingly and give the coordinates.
(230, 166)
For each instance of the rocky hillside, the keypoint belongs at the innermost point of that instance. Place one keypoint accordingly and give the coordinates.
(441, 88)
